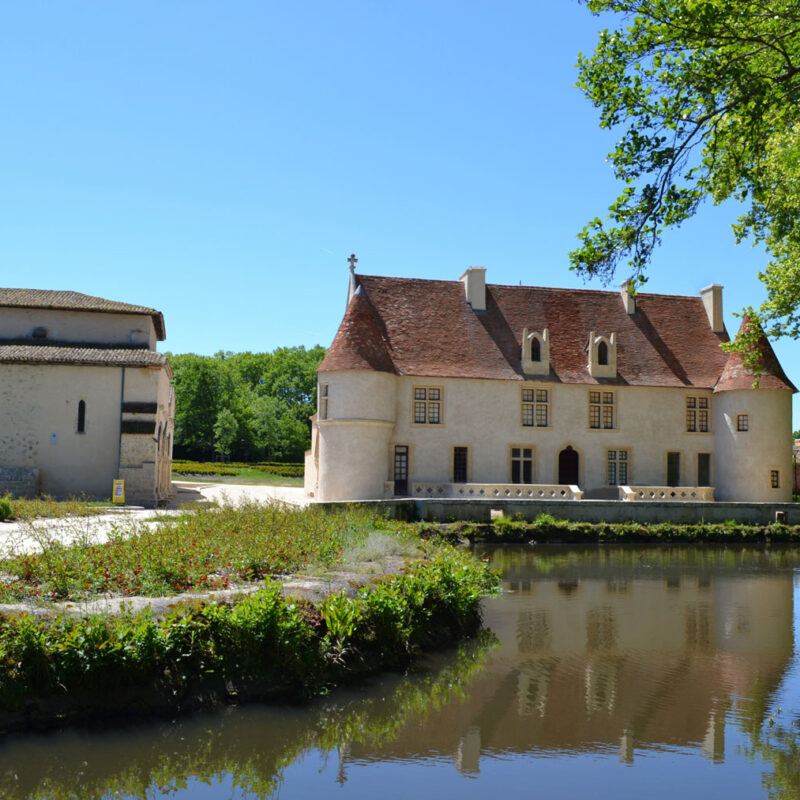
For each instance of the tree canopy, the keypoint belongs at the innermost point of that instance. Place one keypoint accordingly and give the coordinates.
(249, 406)
(705, 93)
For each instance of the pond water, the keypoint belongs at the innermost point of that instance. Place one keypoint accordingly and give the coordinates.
(619, 672)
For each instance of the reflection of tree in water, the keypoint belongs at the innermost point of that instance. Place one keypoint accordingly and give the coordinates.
(247, 748)
(777, 742)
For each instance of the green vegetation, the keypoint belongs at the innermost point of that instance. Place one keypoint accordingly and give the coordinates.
(262, 640)
(238, 469)
(206, 549)
(21, 508)
(546, 528)
(179, 752)
(250, 406)
(702, 97)
(264, 643)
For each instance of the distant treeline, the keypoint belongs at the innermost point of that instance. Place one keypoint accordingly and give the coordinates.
(245, 406)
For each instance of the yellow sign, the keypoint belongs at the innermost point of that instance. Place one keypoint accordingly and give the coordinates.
(118, 495)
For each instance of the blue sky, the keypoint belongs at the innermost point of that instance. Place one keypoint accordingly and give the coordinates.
(220, 161)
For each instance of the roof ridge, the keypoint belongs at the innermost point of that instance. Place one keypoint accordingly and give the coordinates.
(533, 286)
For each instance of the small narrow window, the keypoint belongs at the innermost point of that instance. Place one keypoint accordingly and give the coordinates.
(742, 422)
(775, 478)
(602, 354)
(459, 465)
(82, 416)
(536, 350)
(323, 401)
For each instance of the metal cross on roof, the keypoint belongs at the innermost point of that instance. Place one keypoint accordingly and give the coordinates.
(353, 261)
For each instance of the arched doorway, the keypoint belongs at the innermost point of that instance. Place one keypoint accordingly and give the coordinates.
(568, 471)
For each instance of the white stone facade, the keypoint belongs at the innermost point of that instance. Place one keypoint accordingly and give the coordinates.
(636, 435)
(85, 399)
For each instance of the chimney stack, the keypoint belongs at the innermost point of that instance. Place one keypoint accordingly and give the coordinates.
(712, 300)
(628, 297)
(474, 280)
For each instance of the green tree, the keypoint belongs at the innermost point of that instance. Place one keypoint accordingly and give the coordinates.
(706, 94)
(225, 429)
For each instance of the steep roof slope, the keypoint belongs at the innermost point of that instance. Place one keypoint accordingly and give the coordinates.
(360, 342)
(75, 301)
(426, 328)
(737, 376)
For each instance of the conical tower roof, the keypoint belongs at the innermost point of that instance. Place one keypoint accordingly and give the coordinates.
(360, 342)
(736, 375)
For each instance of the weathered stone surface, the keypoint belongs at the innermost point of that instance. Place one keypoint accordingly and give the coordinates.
(19, 481)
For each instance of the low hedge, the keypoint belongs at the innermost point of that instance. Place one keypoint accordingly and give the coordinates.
(263, 645)
(546, 528)
(183, 467)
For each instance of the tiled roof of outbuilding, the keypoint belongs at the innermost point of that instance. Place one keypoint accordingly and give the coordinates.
(75, 301)
(426, 328)
(89, 356)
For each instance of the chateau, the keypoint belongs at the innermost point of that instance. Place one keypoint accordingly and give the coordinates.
(84, 397)
(466, 389)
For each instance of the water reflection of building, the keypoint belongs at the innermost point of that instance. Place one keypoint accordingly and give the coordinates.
(617, 665)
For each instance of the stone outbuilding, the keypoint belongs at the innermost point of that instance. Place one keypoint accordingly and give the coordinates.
(466, 389)
(84, 397)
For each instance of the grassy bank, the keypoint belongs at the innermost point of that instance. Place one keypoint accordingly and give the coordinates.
(546, 528)
(261, 645)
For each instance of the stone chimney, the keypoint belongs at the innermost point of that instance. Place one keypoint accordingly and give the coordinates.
(474, 280)
(712, 300)
(628, 297)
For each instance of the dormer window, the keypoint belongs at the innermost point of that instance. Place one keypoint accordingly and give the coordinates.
(602, 356)
(536, 352)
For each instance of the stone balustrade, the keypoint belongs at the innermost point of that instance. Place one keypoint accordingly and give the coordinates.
(679, 494)
(499, 491)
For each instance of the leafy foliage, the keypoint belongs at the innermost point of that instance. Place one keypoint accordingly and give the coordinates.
(706, 93)
(264, 636)
(249, 405)
(206, 549)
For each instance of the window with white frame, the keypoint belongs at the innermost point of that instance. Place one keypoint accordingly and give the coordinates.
(617, 464)
(427, 405)
(601, 410)
(697, 419)
(535, 408)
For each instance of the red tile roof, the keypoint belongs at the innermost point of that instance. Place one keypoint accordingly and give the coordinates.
(426, 328)
(736, 376)
(75, 301)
